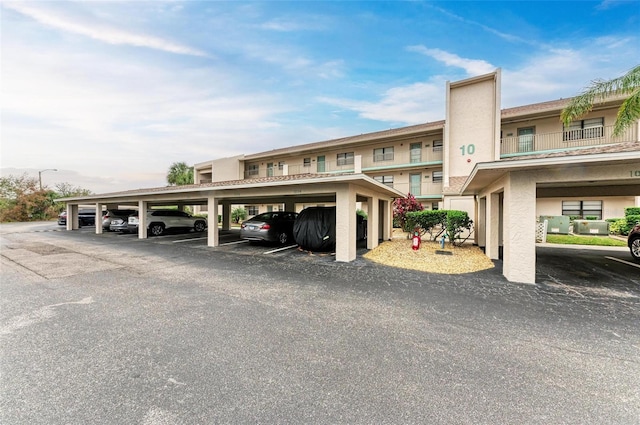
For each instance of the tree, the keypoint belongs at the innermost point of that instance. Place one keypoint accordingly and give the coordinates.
(238, 214)
(67, 190)
(627, 85)
(180, 174)
(21, 198)
(401, 206)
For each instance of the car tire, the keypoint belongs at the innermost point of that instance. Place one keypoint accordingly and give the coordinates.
(199, 226)
(634, 247)
(156, 229)
(283, 238)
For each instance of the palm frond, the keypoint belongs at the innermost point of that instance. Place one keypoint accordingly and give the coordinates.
(599, 90)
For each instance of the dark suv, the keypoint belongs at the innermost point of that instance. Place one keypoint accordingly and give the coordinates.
(634, 242)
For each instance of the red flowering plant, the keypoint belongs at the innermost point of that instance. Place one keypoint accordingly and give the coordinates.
(402, 206)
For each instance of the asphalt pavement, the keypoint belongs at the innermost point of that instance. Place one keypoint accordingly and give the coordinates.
(106, 329)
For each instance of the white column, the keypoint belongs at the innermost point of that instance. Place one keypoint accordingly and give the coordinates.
(226, 216)
(637, 201)
(387, 219)
(285, 169)
(373, 222)
(72, 217)
(212, 229)
(519, 218)
(492, 232)
(345, 223)
(98, 219)
(143, 206)
(357, 164)
(481, 224)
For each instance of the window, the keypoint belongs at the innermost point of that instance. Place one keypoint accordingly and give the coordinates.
(437, 145)
(270, 169)
(383, 154)
(252, 210)
(307, 162)
(388, 180)
(281, 165)
(252, 170)
(585, 129)
(345, 158)
(415, 153)
(415, 184)
(320, 164)
(435, 206)
(582, 209)
(436, 177)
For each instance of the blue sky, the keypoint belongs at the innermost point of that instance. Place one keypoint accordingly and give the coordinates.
(111, 93)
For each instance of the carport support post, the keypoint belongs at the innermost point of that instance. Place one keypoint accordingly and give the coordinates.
(142, 219)
(481, 225)
(373, 222)
(345, 223)
(226, 216)
(98, 219)
(72, 217)
(387, 220)
(212, 229)
(520, 228)
(492, 229)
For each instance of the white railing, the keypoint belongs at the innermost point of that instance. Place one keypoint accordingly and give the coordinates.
(568, 139)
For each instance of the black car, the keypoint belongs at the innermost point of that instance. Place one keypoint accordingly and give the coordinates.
(86, 217)
(276, 226)
(634, 242)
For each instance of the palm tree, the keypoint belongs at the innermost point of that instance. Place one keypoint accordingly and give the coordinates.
(628, 85)
(180, 174)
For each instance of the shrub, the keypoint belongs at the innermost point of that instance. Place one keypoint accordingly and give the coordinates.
(632, 211)
(457, 222)
(619, 226)
(591, 217)
(361, 213)
(401, 206)
(453, 222)
(428, 221)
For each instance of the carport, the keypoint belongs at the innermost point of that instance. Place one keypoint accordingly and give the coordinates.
(345, 190)
(505, 194)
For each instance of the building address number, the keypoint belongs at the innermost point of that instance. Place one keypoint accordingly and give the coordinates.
(468, 149)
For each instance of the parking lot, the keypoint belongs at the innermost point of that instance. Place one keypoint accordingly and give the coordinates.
(115, 329)
(589, 270)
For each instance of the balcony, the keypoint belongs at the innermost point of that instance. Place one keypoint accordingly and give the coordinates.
(563, 140)
(369, 163)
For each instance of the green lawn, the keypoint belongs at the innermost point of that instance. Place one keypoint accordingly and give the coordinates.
(585, 240)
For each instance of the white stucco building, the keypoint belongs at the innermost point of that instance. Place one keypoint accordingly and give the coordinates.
(505, 167)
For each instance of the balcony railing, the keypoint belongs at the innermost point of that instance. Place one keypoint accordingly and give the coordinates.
(398, 160)
(564, 140)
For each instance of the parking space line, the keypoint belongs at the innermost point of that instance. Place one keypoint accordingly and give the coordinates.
(189, 240)
(280, 249)
(234, 243)
(624, 261)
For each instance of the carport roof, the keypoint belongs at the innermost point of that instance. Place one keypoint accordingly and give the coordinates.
(485, 173)
(238, 185)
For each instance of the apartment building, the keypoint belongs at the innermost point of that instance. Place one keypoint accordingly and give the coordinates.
(414, 160)
(504, 167)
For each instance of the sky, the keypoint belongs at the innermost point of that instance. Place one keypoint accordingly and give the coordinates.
(110, 94)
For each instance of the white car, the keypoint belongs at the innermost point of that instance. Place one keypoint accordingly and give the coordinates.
(158, 221)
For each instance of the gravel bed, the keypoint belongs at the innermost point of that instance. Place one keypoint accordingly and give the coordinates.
(451, 260)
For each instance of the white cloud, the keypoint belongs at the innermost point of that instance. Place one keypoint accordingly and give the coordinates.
(472, 67)
(99, 32)
(411, 104)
